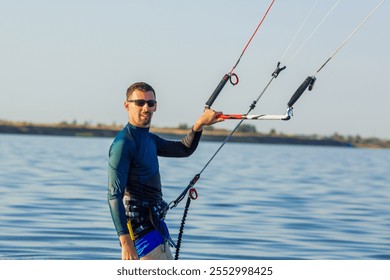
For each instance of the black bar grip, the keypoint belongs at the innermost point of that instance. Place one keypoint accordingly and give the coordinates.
(218, 89)
(309, 81)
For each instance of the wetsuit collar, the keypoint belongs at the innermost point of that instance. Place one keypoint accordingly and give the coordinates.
(141, 129)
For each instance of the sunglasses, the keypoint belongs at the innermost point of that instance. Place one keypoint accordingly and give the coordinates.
(142, 102)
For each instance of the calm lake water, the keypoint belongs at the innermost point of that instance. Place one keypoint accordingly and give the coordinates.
(255, 201)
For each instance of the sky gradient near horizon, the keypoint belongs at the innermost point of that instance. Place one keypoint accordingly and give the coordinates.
(73, 60)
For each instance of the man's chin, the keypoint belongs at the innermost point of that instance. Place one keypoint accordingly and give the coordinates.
(146, 121)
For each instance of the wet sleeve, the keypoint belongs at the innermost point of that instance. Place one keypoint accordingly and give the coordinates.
(183, 148)
(118, 170)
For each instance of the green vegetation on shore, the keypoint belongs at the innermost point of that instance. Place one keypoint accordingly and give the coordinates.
(246, 134)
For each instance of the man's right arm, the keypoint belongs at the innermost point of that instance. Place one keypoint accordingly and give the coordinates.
(118, 169)
(128, 250)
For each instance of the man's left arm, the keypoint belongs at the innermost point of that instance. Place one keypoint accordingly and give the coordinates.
(189, 143)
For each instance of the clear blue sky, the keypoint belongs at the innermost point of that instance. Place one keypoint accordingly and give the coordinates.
(73, 60)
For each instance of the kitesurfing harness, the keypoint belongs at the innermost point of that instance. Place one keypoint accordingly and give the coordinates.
(144, 217)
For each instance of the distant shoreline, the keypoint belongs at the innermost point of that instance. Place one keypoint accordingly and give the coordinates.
(65, 129)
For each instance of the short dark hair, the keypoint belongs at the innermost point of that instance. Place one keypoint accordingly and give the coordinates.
(144, 87)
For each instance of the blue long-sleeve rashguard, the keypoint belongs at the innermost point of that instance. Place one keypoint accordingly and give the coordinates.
(133, 166)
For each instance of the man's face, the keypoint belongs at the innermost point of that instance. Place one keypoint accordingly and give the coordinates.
(140, 116)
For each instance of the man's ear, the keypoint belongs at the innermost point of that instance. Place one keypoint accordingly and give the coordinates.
(126, 105)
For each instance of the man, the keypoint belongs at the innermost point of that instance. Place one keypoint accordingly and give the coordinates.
(134, 187)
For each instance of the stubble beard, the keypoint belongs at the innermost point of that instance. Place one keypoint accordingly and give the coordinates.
(145, 119)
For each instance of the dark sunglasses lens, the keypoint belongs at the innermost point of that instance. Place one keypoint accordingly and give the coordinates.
(151, 103)
(141, 103)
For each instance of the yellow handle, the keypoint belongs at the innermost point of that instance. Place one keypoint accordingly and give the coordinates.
(130, 230)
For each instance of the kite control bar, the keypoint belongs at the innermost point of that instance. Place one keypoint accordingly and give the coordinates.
(284, 117)
(307, 83)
